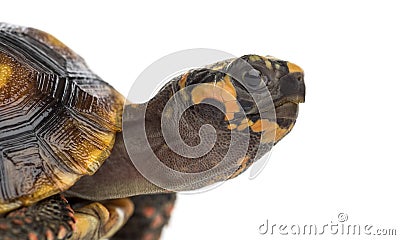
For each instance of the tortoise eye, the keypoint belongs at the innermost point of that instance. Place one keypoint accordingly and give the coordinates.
(252, 78)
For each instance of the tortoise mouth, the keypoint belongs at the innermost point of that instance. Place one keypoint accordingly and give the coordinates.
(287, 110)
(288, 107)
(295, 99)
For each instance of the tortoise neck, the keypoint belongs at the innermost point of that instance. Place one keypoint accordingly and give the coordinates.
(119, 176)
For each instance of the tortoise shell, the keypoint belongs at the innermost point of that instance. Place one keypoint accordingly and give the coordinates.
(57, 118)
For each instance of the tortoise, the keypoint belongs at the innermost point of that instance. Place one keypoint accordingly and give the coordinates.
(65, 172)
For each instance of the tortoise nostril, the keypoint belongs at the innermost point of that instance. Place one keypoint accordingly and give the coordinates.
(291, 84)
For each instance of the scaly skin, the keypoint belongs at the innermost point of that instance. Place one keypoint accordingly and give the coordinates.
(51, 218)
(152, 213)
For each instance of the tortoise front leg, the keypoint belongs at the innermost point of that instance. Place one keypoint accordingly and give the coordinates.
(152, 213)
(51, 218)
(101, 220)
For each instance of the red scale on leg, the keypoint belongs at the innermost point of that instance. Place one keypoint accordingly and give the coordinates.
(148, 212)
(32, 236)
(151, 214)
(3, 226)
(158, 221)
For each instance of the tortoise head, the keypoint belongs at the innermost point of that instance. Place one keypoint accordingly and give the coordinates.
(255, 92)
(262, 83)
(252, 95)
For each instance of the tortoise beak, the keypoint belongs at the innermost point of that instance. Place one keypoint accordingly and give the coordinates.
(292, 88)
(292, 92)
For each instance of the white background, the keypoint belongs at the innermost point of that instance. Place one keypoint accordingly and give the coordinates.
(342, 155)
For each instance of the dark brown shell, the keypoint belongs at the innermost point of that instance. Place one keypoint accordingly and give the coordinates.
(57, 118)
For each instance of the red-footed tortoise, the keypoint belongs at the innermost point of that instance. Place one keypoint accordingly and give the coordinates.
(60, 123)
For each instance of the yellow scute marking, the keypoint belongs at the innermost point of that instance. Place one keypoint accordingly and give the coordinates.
(5, 74)
(222, 91)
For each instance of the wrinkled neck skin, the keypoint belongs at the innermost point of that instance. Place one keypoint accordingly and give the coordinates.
(119, 176)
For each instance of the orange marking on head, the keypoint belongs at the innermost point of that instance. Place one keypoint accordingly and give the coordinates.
(182, 81)
(281, 132)
(222, 91)
(229, 116)
(232, 107)
(276, 134)
(232, 126)
(244, 124)
(294, 68)
(243, 162)
(242, 127)
(227, 85)
(201, 92)
(262, 125)
(271, 131)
